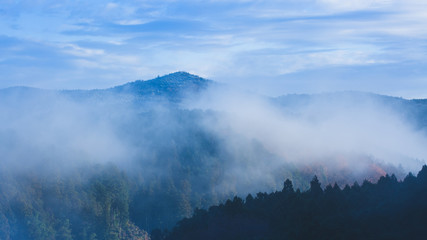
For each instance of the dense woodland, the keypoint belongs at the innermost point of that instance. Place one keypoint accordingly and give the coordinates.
(89, 203)
(102, 202)
(388, 209)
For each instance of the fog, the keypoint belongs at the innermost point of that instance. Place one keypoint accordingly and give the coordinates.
(322, 127)
(258, 140)
(46, 127)
(357, 134)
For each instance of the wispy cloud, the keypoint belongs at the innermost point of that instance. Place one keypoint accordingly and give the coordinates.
(223, 40)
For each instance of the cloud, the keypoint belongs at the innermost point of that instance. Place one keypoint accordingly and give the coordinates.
(81, 52)
(325, 129)
(254, 141)
(354, 5)
(226, 39)
(131, 22)
(45, 128)
(111, 6)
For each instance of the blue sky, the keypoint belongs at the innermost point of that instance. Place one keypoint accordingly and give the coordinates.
(269, 46)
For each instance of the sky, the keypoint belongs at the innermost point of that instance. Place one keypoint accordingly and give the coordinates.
(268, 46)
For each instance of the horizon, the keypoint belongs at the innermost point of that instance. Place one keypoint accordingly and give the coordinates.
(178, 72)
(269, 47)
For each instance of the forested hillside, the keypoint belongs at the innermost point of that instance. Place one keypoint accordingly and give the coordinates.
(388, 209)
(90, 202)
(117, 163)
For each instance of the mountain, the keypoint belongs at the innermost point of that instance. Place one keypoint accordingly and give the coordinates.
(174, 86)
(113, 162)
(171, 88)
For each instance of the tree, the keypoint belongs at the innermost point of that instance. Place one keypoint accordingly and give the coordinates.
(64, 231)
(288, 187)
(39, 228)
(315, 188)
(4, 226)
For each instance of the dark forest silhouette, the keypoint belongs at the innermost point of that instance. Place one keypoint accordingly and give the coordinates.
(388, 209)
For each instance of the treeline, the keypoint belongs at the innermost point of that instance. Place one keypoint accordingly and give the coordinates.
(388, 209)
(95, 202)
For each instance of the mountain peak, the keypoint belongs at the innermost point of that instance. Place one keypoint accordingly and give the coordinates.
(172, 85)
(180, 76)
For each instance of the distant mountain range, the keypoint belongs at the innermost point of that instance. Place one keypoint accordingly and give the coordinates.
(174, 87)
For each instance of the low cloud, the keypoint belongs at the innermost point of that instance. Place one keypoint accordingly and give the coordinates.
(343, 132)
(257, 141)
